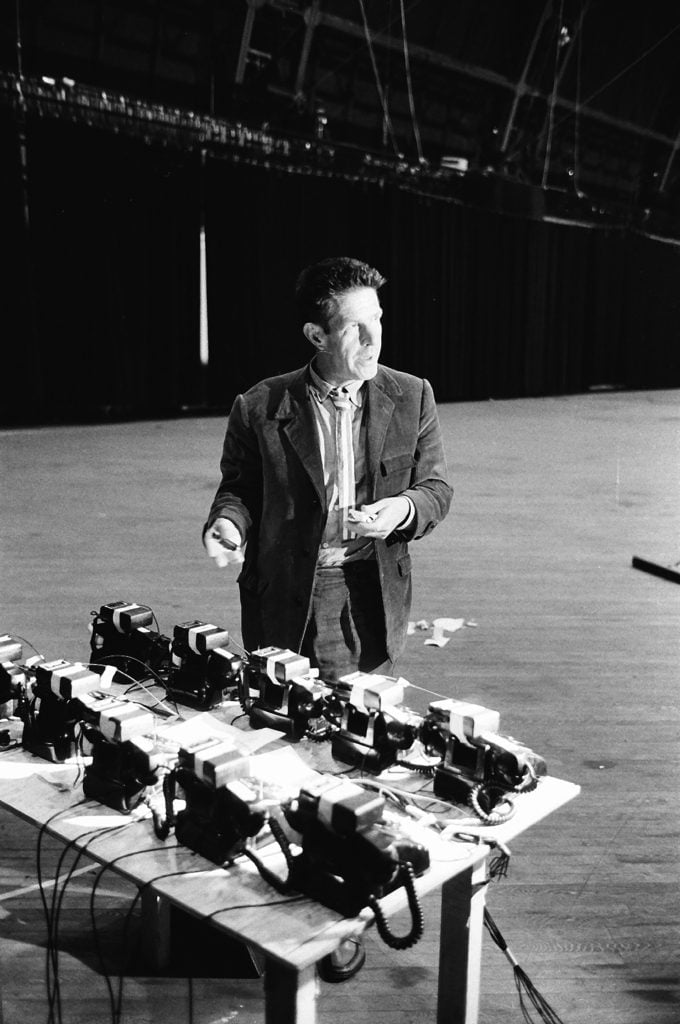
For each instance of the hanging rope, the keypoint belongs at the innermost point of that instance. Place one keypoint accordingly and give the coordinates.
(409, 84)
(577, 110)
(553, 97)
(386, 114)
(624, 71)
(630, 66)
(387, 29)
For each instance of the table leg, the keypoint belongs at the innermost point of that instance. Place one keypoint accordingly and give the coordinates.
(290, 995)
(155, 929)
(460, 948)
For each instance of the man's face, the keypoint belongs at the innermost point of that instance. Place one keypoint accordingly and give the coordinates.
(349, 349)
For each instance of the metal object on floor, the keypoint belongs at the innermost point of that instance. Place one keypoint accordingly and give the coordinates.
(666, 572)
(344, 963)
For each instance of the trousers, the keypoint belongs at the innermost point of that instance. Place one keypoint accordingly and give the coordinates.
(346, 630)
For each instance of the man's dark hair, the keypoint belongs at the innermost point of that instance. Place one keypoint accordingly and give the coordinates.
(317, 286)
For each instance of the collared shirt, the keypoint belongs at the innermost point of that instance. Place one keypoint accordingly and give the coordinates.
(335, 551)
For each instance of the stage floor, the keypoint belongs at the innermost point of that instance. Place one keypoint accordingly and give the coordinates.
(577, 650)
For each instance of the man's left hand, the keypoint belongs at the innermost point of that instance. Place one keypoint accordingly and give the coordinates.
(381, 518)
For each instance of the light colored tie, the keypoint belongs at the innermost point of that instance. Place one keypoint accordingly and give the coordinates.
(344, 455)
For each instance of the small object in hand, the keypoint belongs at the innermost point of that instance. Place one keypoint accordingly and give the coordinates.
(228, 544)
(355, 515)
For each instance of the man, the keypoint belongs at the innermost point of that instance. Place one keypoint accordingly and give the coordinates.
(327, 473)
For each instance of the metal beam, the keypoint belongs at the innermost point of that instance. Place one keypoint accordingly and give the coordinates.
(521, 86)
(311, 17)
(560, 74)
(423, 53)
(157, 43)
(669, 164)
(246, 37)
(442, 60)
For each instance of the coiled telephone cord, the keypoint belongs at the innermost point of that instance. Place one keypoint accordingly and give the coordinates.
(388, 937)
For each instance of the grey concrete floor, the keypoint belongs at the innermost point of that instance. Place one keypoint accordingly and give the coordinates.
(578, 651)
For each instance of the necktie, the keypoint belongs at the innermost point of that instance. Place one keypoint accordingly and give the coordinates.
(344, 455)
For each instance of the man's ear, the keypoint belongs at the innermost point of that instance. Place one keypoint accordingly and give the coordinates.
(316, 335)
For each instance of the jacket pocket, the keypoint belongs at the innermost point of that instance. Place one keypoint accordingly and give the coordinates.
(397, 464)
(404, 565)
(251, 583)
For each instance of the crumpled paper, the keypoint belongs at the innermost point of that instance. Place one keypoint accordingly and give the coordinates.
(440, 627)
(419, 626)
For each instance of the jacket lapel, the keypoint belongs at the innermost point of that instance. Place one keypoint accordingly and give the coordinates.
(379, 413)
(298, 423)
(297, 417)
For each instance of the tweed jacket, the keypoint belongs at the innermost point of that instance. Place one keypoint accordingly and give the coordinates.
(272, 488)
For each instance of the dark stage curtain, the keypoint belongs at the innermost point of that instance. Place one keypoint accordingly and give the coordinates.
(500, 307)
(20, 355)
(652, 353)
(262, 227)
(101, 307)
(483, 304)
(110, 280)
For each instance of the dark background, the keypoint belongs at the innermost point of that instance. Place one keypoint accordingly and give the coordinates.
(503, 281)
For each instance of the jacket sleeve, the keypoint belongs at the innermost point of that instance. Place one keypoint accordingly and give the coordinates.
(429, 489)
(239, 495)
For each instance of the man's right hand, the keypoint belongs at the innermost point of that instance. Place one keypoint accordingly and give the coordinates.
(223, 543)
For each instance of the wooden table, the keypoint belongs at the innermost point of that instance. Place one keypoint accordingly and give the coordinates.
(292, 937)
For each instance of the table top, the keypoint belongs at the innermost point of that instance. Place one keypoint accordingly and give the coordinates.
(294, 931)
